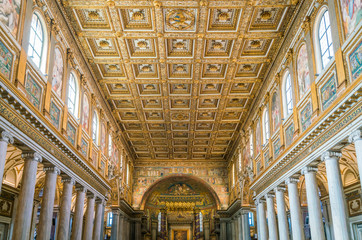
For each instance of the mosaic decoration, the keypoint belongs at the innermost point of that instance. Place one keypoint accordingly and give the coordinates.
(266, 158)
(329, 92)
(180, 234)
(257, 138)
(33, 91)
(85, 113)
(258, 167)
(180, 19)
(303, 71)
(247, 157)
(102, 168)
(71, 133)
(58, 69)
(54, 114)
(6, 61)
(355, 59)
(276, 115)
(84, 147)
(94, 157)
(277, 148)
(306, 116)
(289, 134)
(351, 13)
(9, 14)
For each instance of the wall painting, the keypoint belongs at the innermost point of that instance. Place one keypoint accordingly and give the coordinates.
(9, 14)
(6, 61)
(303, 71)
(258, 138)
(276, 119)
(54, 114)
(289, 134)
(352, 14)
(33, 91)
(258, 168)
(85, 113)
(306, 116)
(266, 158)
(355, 59)
(94, 157)
(84, 147)
(71, 133)
(58, 69)
(276, 147)
(329, 92)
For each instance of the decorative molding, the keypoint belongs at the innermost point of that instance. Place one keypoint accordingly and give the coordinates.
(6, 137)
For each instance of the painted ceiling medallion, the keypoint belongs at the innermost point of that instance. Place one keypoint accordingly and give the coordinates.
(180, 19)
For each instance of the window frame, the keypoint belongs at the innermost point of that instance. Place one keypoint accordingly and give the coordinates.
(266, 126)
(75, 112)
(95, 132)
(286, 103)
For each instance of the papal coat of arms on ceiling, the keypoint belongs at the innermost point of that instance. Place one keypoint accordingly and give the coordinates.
(180, 20)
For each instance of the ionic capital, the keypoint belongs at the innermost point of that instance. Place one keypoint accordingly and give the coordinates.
(80, 189)
(292, 180)
(331, 155)
(68, 179)
(90, 194)
(32, 156)
(279, 189)
(270, 195)
(99, 200)
(355, 136)
(6, 137)
(309, 169)
(52, 169)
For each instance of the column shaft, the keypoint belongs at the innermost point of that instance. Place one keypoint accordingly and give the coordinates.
(240, 227)
(356, 138)
(261, 218)
(314, 206)
(282, 214)
(120, 227)
(65, 208)
(223, 230)
(78, 215)
(89, 214)
(114, 229)
(295, 209)
(336, 195)
(98, 219)
(26, 197)
(246, 226)
(272, 222)
(5, 139)
(47, 204)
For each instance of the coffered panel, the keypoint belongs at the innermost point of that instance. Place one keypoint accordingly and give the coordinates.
(179, 75)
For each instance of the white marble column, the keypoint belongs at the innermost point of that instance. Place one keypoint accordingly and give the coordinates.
(233, 229)
(336, 195)
(222, 230)
(282, 214)
(240, 227)
(47, 204)
(98, 219)
(314, 204)
(65, 208)
(114, 229)
(78, 214)
(120, 226)
(138, 232)
(5, 139)
(246, 226)
(272, 222)
(295, 209)
(26, 196)
(356, 138)
(89, 215)
(261, 220)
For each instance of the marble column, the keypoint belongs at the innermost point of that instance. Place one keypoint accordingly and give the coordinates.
(5, 139)
(336, 195)
(356, 138)
(120, 226)
(98, 219)
(223, 230)
(78, 214)
(295, 209)
(89, 215)
(65, 209)
(47, 204)
(246, 226)
(272, 222)
(282, 214)
(138, 233)
(261, 220)
(314, 204)
(233, 229)
(26, 196)
(114, 229)
(154, 230)
(207, 230)
(240, 227)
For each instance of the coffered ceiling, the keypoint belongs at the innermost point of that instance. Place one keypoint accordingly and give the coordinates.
(180, 76)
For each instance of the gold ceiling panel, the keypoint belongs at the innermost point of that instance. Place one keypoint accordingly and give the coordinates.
(180, 75)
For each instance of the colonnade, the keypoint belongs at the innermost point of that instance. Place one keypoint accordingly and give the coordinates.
(269, 229)
(235, 228)
(122, 226)
(23, 217)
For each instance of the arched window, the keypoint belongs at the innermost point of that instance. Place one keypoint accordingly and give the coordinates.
(159, 218)
(233, 174)
(288, 95)
(73, 95)
(127, 176)
(239, 160)
(37, 42)
(266, 126)
(325, 40)
(95, 128)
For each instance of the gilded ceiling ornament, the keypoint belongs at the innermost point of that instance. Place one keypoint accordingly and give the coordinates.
(138, 16)
(179, 45)
(112, 67)
(142, 44)
(213, 68)
(265, 15)
(255, 43)
(217, 45)
(180, 19)
(94, 15)
(247, 67)
(223, 16)
(146, 68)
(180, 68)
(103, 43)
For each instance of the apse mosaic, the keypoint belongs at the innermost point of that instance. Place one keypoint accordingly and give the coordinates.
(163, 63)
